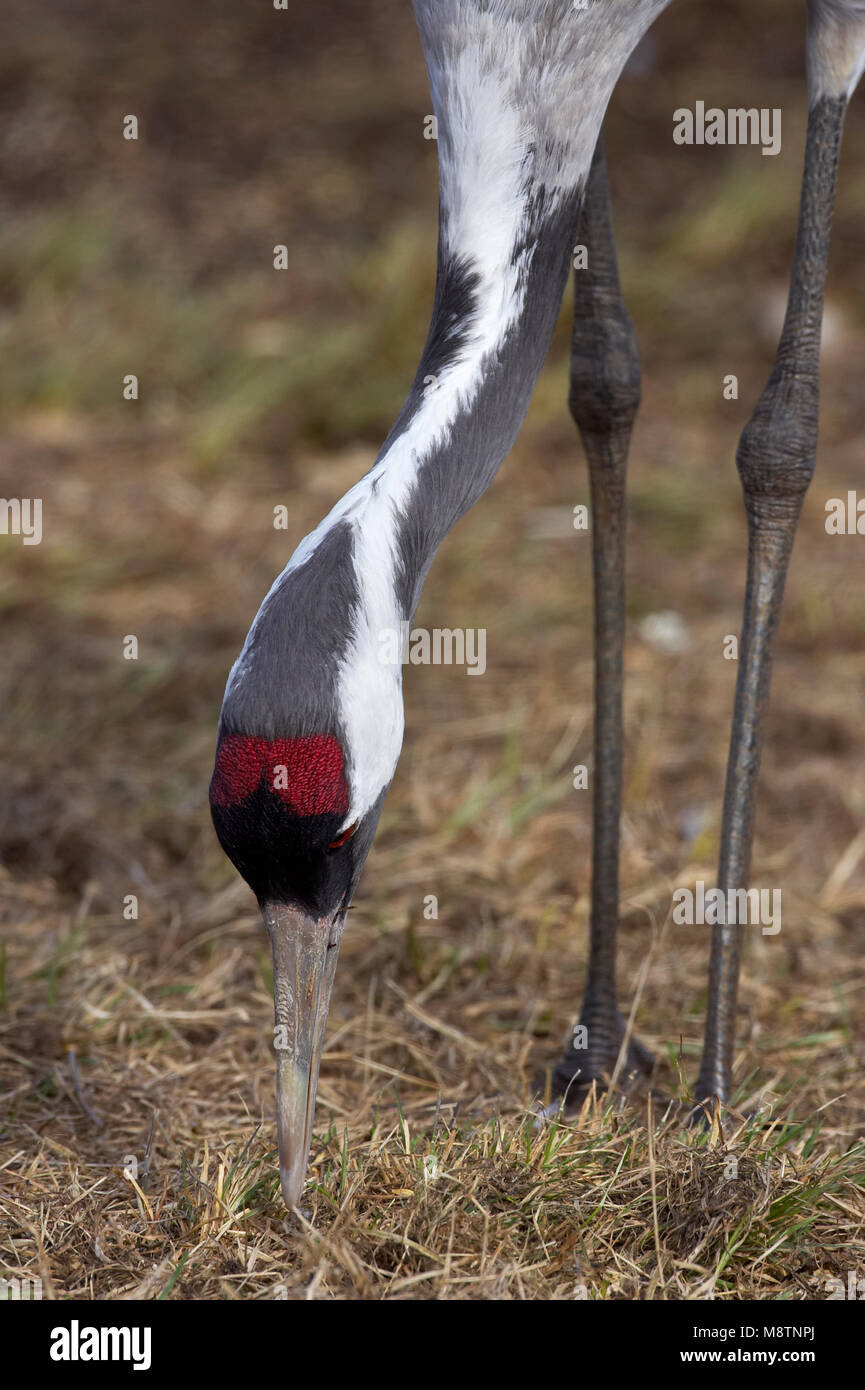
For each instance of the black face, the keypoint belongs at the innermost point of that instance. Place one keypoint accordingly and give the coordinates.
(279, 807)
(286, 857)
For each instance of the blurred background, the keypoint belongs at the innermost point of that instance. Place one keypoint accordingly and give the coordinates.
(260, 388)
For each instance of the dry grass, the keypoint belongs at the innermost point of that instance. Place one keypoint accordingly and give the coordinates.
(139, 1165)
(149, 1039)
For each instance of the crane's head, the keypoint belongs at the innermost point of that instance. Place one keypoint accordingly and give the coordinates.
(309, 737)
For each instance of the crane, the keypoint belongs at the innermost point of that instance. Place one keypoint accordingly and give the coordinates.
(312, 719)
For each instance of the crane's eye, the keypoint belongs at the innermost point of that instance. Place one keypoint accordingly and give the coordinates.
(344, 837)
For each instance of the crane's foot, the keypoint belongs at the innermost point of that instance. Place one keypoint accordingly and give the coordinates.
(581, 1068)
(715, 1082)
(703, 1112)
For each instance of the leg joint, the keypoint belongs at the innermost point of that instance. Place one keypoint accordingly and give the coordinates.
(777, 450)
(605, 384)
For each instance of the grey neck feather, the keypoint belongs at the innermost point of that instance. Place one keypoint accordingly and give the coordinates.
(455, 474)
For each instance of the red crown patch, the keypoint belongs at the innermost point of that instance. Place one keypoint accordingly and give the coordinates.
(307, 774)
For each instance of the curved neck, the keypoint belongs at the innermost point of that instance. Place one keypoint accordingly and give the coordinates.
(470, 394)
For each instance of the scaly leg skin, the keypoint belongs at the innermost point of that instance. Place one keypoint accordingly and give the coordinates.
(776, 461)
(604, 398)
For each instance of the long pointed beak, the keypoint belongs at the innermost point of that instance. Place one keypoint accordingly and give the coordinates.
(305, 950)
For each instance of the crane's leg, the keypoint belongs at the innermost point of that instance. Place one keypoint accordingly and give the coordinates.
(776, 461)
(604, 397)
